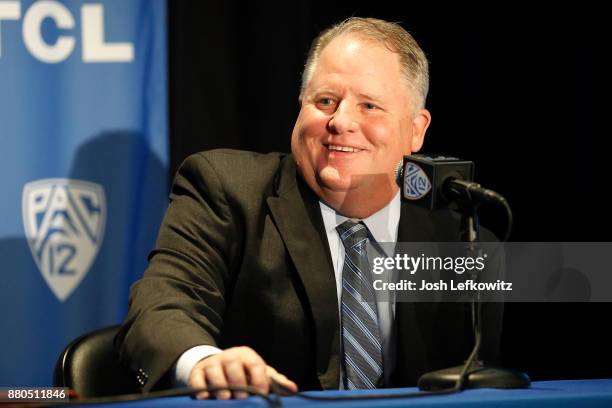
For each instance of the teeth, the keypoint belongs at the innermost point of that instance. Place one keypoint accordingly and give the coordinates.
(343, 148)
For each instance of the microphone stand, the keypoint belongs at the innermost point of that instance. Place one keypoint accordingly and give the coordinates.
(472, 374)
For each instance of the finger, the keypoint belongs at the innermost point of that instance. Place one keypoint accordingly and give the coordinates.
(282, 380)
(215, 377)
(256, 369)
(197, 380)
(286, 383)
(258, 377)
(234, 372)
(250, 357)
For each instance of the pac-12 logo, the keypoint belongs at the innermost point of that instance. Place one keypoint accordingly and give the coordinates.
(416, 182)
(64, 223)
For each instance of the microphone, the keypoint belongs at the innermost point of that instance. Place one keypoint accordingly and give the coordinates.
(434, 182)
(437, 181)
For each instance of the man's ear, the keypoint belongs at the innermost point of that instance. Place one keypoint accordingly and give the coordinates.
(420, 123)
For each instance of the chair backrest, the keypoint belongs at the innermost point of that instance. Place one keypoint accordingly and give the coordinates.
(90, 366)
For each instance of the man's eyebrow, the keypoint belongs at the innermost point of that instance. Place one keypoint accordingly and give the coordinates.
(324, 91)
(371, 97)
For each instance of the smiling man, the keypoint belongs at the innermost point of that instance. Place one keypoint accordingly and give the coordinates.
(258, 266)
(361, 111)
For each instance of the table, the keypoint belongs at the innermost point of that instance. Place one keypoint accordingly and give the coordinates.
(574, 393)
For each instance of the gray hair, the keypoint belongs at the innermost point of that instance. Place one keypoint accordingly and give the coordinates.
(414, 65)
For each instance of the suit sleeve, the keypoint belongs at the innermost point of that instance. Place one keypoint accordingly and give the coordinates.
(180, 300)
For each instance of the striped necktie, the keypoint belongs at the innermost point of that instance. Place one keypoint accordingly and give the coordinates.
(360, 332)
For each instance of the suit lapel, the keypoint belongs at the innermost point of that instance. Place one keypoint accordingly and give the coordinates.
(430, 335)
(415, 224)
(297, 216)
(414, 320)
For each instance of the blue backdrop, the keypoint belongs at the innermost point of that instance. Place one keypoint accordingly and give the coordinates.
(83, 169)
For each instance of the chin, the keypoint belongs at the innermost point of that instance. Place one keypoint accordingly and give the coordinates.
(332, 180)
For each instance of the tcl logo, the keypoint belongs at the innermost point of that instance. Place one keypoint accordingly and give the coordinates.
(94, 46)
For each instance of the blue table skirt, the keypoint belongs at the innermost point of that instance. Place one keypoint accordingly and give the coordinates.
(575, 393)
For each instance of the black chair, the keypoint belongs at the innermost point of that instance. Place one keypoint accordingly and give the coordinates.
(90, 366)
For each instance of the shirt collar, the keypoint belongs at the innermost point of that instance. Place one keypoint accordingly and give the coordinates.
(383, 224)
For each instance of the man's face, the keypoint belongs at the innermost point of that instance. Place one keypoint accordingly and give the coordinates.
(356, 122)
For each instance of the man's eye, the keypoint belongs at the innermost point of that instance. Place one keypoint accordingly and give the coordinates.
(370, 106)
(326, 101)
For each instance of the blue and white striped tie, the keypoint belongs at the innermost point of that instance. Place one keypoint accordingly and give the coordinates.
(360, 332)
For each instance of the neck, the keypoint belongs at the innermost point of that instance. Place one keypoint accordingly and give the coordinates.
(360, 203)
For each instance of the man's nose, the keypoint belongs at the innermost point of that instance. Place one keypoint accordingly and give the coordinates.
(343, 120)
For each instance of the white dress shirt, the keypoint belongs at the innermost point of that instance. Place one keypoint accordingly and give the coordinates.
(383, 226)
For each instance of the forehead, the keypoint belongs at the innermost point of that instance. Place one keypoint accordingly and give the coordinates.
(349, 60)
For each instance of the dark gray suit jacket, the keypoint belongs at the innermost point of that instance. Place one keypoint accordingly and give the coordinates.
(242, 259)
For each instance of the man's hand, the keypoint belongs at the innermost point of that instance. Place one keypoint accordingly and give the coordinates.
(237, 366)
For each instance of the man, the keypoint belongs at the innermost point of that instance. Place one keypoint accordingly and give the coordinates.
(250, 268)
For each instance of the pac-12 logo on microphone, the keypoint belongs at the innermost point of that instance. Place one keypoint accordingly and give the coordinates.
(416, 182)
(64, 223)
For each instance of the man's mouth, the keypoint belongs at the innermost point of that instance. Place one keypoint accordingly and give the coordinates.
(343, 148)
